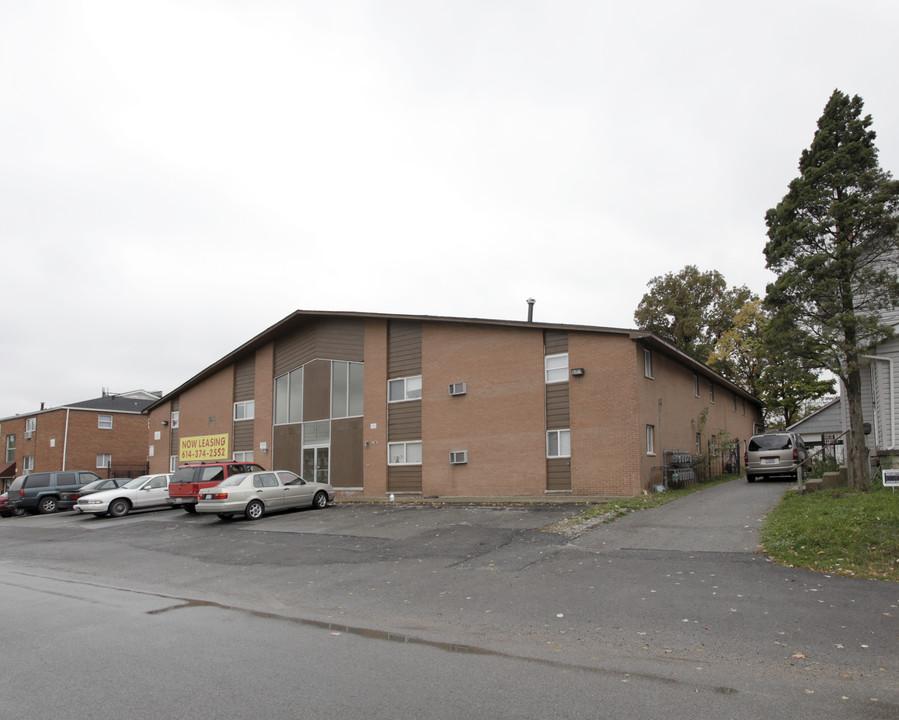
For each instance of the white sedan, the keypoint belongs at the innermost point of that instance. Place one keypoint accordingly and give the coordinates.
(143, 493)
(256, 493)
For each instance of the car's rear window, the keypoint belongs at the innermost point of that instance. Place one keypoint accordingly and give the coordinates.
(38, 480)
(234, 480)
(183, 475)
(770, 442)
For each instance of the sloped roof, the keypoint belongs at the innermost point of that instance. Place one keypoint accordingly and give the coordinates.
(113, 403)
(301, 317)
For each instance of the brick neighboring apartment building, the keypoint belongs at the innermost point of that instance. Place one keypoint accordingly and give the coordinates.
(442, 406)
(102, 434)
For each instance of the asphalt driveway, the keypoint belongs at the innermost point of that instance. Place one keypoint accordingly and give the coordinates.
(723, 518)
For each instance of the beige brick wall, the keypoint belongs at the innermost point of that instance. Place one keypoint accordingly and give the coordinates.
(264, 404)
(679, 418)
(374, 423)
(208, 408)
(605, 447)
(500, 420)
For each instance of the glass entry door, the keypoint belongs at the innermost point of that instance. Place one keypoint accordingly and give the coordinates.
(315, 464)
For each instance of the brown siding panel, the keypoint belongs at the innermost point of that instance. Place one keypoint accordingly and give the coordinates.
(404, 421)
(558, 413)
(558, 474)
(404, 349)
(317, 390)
(555, 342)
(244, 379)
(287, 453)
(404, 479)
(243, 436)
(346, 453)
(331, 339)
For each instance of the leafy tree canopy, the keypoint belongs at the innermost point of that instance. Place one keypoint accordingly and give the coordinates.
(833, 243)
(756, 357)
(690, 309)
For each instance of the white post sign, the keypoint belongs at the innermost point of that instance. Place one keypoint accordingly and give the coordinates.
(891, 479)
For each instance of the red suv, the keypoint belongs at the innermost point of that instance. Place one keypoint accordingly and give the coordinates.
(188, 480)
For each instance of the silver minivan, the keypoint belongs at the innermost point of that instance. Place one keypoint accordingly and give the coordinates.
(774, 455)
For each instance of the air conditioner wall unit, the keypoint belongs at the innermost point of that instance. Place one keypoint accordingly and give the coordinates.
(458, 388)
(458, 457)
(28, 434)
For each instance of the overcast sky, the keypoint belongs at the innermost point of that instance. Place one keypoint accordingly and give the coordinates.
(177, 176)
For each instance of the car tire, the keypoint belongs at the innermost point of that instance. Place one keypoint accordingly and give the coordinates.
(119, 508)
(17, 512)
(254, 510)
(189, 508)
(48, 505)
(320, 500)
(750, 478)
(225, 516)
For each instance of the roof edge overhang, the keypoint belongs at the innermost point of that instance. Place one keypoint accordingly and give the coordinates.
(298, 316)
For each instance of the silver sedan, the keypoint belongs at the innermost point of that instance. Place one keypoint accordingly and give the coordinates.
(256, 493)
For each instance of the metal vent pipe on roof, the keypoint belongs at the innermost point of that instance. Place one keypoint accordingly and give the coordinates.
(531, 302)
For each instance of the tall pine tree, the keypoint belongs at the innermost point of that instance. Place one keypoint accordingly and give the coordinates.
(833, 243)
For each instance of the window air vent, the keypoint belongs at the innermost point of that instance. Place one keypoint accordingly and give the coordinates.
(457, 388)
(28, 434)
(459, 457)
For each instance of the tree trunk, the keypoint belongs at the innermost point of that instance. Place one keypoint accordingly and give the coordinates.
(857, 455)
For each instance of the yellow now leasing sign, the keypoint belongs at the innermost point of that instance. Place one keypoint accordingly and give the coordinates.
(203, 447)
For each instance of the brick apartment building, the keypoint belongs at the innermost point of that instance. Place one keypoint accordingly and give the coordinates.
(101, 434)
(443, 406)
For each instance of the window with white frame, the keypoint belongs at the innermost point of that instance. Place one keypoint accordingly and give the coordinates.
(10, 448)
(104, 460)
(346, 389)
(558, 443)
(404, 453)
(173, 463)
(401, 389)
(243, 456)
(555, 368)
(647, 363)
(650, 440)
(176, 418)
(695, 385)
(711, 393)
(28, 464)
(244, 410)
(698, 443)
(31, 425)
(104, 422)
(289, 397)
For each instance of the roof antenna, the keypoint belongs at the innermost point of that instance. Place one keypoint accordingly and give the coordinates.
(531, 302)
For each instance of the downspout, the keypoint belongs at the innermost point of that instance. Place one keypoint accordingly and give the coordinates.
(65, 441)
(889, 361)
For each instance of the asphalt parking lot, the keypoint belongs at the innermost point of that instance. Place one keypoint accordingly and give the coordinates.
(679, 586)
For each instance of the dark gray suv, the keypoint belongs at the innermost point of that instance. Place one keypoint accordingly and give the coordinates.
(47, 492)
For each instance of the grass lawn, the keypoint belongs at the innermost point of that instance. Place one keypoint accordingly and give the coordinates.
(837, 531)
